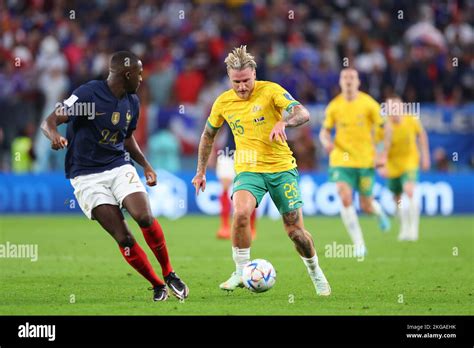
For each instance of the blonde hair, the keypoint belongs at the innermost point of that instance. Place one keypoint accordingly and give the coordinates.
(239, 59)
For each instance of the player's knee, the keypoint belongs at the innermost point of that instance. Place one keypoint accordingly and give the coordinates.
(144, 219)
(346, 198)
(241, 218)
(292, 221)
(366, 206)
(409, 191)
(297, 235)
(301, 238)
(346, 201)
(126, 241)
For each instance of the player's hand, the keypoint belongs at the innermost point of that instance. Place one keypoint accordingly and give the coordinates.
(425, 164)
(199, 182)
(58, 142)
(150, 176)
(328, 147)
(278, 132)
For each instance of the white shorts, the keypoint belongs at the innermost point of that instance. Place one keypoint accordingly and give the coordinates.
(225, 168)
(108, 187)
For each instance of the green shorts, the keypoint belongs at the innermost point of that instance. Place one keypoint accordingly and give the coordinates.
(282, 186)
(360, 179)
(396, 184)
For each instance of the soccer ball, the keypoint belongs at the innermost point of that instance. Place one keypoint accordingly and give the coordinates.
(259, 275)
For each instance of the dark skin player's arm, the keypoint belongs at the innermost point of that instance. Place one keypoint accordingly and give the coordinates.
(49, 127)
(137, 155)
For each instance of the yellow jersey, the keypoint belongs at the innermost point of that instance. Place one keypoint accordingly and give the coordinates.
(403, 153)
(251, 122)
(356, 123)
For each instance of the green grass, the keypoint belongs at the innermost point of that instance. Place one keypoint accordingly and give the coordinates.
(77, 258)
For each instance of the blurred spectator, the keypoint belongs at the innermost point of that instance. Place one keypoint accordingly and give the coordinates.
(143, 125)
(188, 84)
(161, 82)
(420, 50)
(53, 83)
(303, 147)
(440, 160)
(448, 90)
(3, 160)
(459, 32)
(22, 151)
(396, 76)
(164, 151)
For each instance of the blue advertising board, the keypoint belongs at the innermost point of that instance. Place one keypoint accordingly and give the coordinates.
(174, 196)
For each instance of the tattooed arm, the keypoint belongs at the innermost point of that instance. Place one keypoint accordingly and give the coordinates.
(297, 116)
(205, 148)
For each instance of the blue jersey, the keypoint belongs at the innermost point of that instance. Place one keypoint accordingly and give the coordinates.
(98, 124)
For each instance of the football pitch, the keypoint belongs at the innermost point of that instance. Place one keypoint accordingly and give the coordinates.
(79, 270)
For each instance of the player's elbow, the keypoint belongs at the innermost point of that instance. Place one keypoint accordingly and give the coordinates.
(44, 127)
(127, 143)
(306, 116)
(304, 113)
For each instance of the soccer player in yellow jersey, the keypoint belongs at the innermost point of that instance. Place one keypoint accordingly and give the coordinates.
(356, 117)
(401, 168)
(263, 161)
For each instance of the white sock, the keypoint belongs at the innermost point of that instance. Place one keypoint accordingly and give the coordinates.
(351, 222)
(311, 264)
(241, 258)
(414, 216)
(403, 214)
(377, 208)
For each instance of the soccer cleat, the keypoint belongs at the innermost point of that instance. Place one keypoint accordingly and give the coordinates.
(160, 293)
(234, 282)
(177, 286)
(402, 237)
(406, 238)
(321, 284)
(223, 233)
(384, 223)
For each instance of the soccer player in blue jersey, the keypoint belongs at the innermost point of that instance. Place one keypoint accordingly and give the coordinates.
(101, 117)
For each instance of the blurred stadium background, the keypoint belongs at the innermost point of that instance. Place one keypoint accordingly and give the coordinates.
(422, 50)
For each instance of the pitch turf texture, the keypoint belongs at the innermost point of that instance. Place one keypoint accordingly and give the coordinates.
(80, 271)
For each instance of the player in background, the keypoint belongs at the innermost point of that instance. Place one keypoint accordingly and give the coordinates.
(225, 173)
(263, 161)
(401, 167)
(352, 154)
(99, 146)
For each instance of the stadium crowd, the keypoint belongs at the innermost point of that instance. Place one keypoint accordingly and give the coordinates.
(420, 50)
